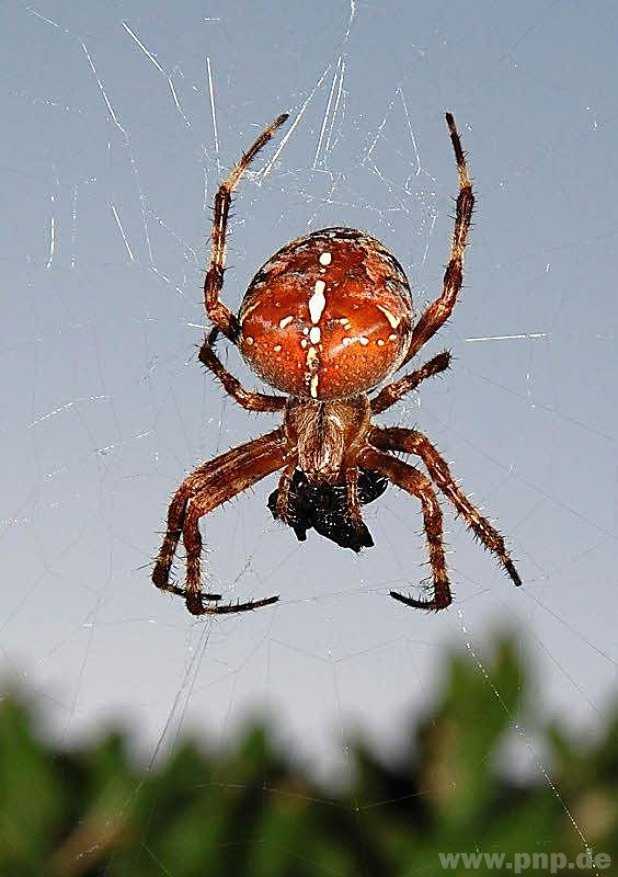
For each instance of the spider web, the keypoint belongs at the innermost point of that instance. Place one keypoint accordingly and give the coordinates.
(119, 121)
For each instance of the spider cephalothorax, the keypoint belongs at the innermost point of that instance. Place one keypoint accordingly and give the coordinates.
(326, 320)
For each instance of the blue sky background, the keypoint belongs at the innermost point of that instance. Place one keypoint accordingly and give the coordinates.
(118, 121)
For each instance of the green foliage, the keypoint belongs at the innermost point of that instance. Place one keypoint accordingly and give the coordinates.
(250, 811)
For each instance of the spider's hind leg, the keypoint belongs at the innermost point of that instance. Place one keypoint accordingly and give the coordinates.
(440, 310)
(217, 311)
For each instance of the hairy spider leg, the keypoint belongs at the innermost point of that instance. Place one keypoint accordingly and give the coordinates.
(440, 310)
(416, 484)
(247, 399)
(203, 490)
(217, 311)
(410, 441)
(175, 520)
(392, 393)
(283, 492)
(352, 498)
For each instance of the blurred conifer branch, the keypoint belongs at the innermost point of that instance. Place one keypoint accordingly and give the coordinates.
(249, 810)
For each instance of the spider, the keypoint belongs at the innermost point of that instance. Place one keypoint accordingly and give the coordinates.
(325, 320)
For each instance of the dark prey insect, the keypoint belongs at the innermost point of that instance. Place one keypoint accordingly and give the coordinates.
(325, 321)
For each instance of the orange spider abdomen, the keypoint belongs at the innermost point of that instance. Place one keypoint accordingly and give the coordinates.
(328, 316)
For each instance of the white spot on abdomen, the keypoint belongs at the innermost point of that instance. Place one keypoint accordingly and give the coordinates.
(325, 259)
(315, 379)
(312, 359)
(315, 335)
(285, 322)
(392, 319)
(249, 310)
(317, 302)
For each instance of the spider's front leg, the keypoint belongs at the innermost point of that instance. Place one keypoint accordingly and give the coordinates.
(410, 441)
(362, 536)
(206, 488)
(284, 488)
(218, 312)
(416, 484)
